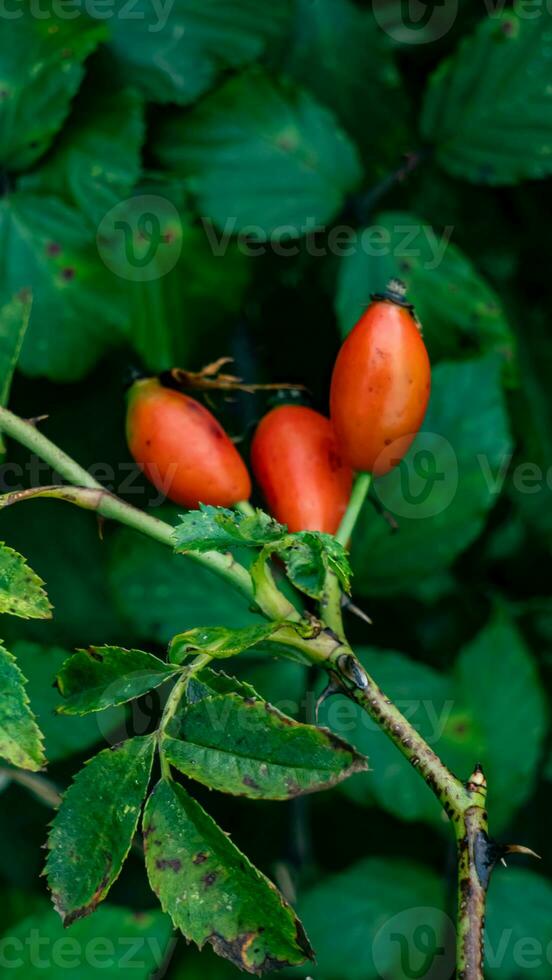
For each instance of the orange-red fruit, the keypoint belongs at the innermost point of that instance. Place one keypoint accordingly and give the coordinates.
(182, 448)
(300, 469)
(380, 388)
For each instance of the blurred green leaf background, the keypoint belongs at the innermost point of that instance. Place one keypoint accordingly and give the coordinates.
(206, 178)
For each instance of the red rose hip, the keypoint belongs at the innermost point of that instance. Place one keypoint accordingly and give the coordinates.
(183, 449)
(298, 465)
(380, 385)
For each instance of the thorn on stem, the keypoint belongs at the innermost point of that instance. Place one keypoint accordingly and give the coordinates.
(101, 524)
(477, 781)
(355, 610)
(328, 692)
(520, 849)
(393, 524)
(34, 421)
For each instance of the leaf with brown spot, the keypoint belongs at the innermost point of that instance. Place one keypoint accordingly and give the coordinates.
(20, 736)
(221, 899)
(249, 748)
(99, 677)
(21, 592)
(94, 827)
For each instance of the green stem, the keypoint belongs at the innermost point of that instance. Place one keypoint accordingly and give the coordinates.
(244, 507)
(267, 595)
(477, 855)
(42, 788)
(330, 605)
(30, 437)
(171, 707)
(94, 497)
(358, 496)
(362, 688)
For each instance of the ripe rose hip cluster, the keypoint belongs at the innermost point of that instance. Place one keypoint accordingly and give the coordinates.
(303, 462)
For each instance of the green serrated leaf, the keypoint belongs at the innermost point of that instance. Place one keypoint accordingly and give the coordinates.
(41, 69)
(96, 160)
(48, 249)
(254, 135)
(100, 677)
(460, 313)
(218, 529)
(210, 889)
(210, 682)
(20, 737)
(218, 641)
(487, 108)
(249, 748)
(64, 735)
(134, 942)
(309, 556)
(21, 592)
(442, 491)
(93, 829)
(176, 53)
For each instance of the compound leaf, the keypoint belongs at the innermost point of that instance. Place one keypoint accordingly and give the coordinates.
(210, 889)
(99, 677)
(218, 529)
(20, 736)
(309, 556)
(248, 748)
(93, 829)
(218, 641)
(21, 592)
